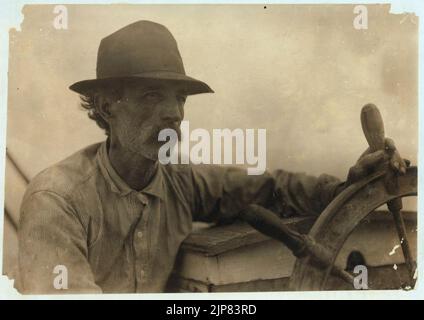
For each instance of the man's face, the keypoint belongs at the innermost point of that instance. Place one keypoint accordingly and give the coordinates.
(142, 112)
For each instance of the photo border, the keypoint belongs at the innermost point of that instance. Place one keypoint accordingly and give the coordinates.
(11, 17)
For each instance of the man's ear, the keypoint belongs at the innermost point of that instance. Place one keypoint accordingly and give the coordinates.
(103, 107)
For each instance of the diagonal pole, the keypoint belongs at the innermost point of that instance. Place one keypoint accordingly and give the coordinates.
(395, 207)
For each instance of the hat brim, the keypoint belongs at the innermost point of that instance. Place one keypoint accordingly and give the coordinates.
(191, 86)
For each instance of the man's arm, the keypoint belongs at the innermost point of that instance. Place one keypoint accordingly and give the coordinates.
(51, 235)
(302, 194)
(221, 192)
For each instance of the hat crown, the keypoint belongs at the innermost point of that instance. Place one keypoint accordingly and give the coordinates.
(140, 47)
(140, 51)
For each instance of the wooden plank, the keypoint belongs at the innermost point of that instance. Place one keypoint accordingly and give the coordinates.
(262, 260)
(238, 258)
(220, 239)
(380, 278)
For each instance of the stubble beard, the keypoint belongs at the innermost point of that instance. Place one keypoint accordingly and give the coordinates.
(144, 143)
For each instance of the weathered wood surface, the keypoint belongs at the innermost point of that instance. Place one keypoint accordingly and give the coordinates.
(380, 278)
(244, 256)
(220, 239)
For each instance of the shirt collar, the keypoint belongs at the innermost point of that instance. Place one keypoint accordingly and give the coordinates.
(155, 187)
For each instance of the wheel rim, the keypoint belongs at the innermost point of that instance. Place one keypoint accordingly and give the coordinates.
(341, 217)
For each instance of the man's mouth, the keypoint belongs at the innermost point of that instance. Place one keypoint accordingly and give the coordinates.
(175, 126)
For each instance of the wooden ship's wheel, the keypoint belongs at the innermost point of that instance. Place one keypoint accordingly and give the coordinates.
(340, 218)
(317, 252)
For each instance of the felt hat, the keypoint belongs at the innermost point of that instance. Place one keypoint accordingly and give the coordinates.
(141, 50)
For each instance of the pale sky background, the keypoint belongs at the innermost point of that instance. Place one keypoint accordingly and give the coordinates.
(301, 72)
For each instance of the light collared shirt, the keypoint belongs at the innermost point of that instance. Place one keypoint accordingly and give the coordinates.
(80, 218)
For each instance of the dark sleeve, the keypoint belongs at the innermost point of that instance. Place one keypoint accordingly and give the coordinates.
(51, 235)
(302, 194)
(221, 192)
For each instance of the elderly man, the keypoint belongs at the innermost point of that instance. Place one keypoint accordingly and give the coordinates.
(111, 215)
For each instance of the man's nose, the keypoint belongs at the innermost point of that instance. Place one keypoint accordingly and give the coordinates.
(172, 111)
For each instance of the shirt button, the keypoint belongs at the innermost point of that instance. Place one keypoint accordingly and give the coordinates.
(143, 200)
(140, 234)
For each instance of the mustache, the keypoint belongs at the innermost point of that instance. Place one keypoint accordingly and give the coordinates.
(173, 125)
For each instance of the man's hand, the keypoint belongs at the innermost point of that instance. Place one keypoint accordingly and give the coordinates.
(370, 162)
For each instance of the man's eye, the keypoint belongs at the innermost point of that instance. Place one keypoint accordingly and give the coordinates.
(152, 96)
(182, 98)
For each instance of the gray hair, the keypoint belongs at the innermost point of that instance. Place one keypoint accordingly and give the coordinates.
(89, 102)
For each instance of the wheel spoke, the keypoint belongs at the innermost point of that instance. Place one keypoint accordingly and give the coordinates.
(395, 207)
(342, 274)
(345, 276)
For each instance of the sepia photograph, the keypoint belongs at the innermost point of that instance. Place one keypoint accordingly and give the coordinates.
(211, 148)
